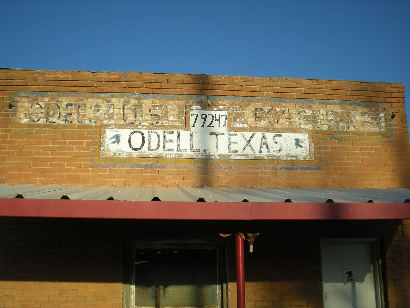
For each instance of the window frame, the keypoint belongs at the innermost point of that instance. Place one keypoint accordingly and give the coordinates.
(129, 268)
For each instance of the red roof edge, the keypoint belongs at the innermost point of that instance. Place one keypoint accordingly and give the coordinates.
(161, 210)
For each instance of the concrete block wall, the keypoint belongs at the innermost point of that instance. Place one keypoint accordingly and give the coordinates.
(53, 125)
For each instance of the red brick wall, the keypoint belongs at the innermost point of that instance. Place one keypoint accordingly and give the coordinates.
(359, 157)
(79, 263)
(72, 263)
(285, 268)
(397, 266)
(59, 263)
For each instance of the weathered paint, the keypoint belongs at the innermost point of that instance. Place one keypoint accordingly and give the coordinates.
(99, 110)
(192, 126)
(200, 165)
(189, 144)
(146, 111)
(208, 137)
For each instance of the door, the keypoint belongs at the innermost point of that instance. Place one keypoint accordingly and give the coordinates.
(175, 277)
(350, 274)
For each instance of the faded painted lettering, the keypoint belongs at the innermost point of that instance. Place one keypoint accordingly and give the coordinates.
(206, 141)
(179, 143)
(146, 111)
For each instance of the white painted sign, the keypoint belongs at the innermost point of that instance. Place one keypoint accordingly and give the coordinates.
(208, 137)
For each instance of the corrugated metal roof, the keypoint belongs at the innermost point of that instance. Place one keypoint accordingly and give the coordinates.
(230, 194)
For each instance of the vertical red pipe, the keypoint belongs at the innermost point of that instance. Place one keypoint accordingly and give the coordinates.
(240, 271)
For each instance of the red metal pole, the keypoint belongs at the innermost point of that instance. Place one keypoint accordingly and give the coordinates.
(240, 271)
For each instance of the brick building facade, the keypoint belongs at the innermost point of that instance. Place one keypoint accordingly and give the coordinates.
(177, 131)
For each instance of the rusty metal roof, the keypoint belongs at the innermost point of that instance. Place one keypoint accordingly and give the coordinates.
(208, 194)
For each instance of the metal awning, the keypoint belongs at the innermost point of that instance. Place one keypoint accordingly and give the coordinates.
(204, 203)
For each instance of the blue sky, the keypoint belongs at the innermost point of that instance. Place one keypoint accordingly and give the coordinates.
(364, 40)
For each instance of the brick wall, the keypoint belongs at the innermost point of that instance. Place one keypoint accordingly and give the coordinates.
(59, 263)
(397, 266)
(285, 268)
(79, 263)
(53, 124)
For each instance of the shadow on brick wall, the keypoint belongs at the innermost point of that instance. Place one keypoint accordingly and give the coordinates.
(206, 171)
(285, 265)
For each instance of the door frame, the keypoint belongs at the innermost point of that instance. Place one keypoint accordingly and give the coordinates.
(376, 262)
(221, 264)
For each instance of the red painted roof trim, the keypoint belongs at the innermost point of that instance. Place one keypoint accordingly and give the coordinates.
(201, 211)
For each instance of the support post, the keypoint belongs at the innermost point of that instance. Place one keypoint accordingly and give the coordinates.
(240, 270)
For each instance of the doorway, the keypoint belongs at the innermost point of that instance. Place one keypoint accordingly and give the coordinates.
(351, 273)
(176, 274)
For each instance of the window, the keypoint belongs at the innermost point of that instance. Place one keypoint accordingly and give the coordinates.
(176, 275)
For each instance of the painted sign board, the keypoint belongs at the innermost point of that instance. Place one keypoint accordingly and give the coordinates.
(143, 110)
(201, 126)
(208, 137)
